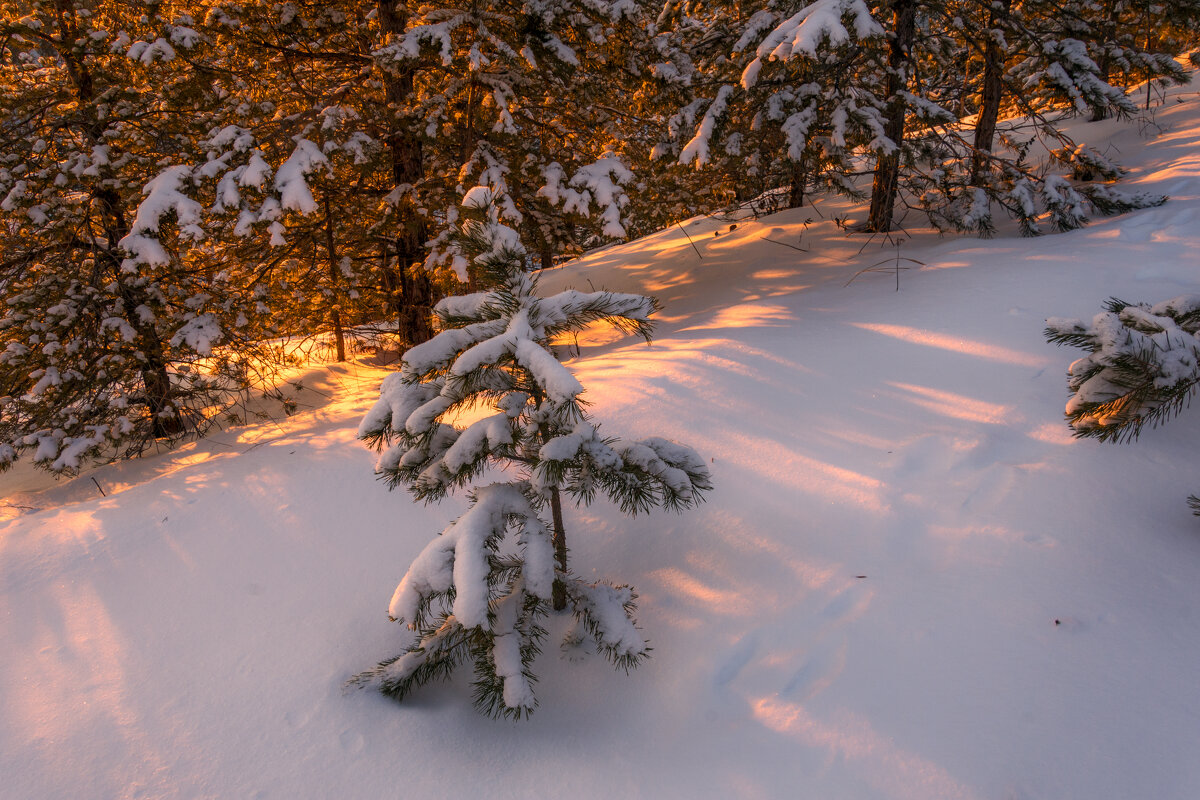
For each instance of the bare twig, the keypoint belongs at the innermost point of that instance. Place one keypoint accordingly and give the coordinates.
(689, 238)
(785, 244)
(895, 267)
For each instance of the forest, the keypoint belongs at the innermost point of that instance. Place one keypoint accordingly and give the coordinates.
(189, 187)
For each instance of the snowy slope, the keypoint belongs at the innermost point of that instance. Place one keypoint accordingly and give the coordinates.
(910, 582)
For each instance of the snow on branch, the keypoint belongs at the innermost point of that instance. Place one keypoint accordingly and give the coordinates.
(697, 149)
(601, 183)
(200, 333)
(1142, 368)
(164, 196)
(607, 613)
(290, 178)
(637, 476)
(149, 52)
(804, 32)
(458, 558)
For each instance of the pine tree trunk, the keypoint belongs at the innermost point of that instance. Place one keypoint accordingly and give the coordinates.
(560, 550)
(417, 298)
(335, 314)
(992, 92)
(416, 295)
(559, 592)
(165, 419)
(887, 166)
(799, 184)
(467, 147)
(1149, 72)
(1108, 27)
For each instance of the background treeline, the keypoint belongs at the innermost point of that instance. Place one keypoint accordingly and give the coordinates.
(182, 185)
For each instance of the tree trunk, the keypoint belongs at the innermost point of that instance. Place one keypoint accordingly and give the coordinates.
(335, 313)
(1108, 29)
(560, 550)
(558, 595)
(416, 300)
(416, 287)
(467, 148)
(160, 396)
(887, 166)
(799, 184)
(992, 92)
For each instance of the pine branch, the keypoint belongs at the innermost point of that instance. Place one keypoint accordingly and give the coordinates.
(1142, 369)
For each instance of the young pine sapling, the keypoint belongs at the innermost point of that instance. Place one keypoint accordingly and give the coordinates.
(479, 590)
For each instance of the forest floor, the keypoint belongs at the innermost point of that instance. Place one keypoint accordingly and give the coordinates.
(909, 582)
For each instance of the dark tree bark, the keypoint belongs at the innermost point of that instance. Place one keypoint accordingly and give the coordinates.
(559, 593)
(1108, 29)
(799, 182)
(887, 166)
(335, 313)
(413, 290)
(991, 94)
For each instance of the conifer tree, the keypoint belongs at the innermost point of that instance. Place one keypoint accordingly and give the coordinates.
(520, 100)
(478, 592)
(1142, 367)
(798, 91)
(994, 58)
(783, 98)
(305, 71)
(107, 335)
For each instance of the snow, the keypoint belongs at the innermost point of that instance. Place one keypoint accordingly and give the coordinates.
(908, 582)
(149, 52)
(199, 333)
(290, 180)
(507, 651)
(164, 195)
(600, 182)
(442, 349)
(256, 173)
(397, 400)
(560, 385)
(563, 448)
(697, 148)
(1137, 334)
(483, 436)
(806, 30)
(605, 605)
(478, 197)
(459, 557)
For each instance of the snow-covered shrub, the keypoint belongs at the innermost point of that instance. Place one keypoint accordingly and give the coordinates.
(1142, 367)
(478, 591)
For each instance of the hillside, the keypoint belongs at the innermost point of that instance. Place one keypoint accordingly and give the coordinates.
(909, 582)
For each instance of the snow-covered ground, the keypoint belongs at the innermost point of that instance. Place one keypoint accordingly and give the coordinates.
(909, 582)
